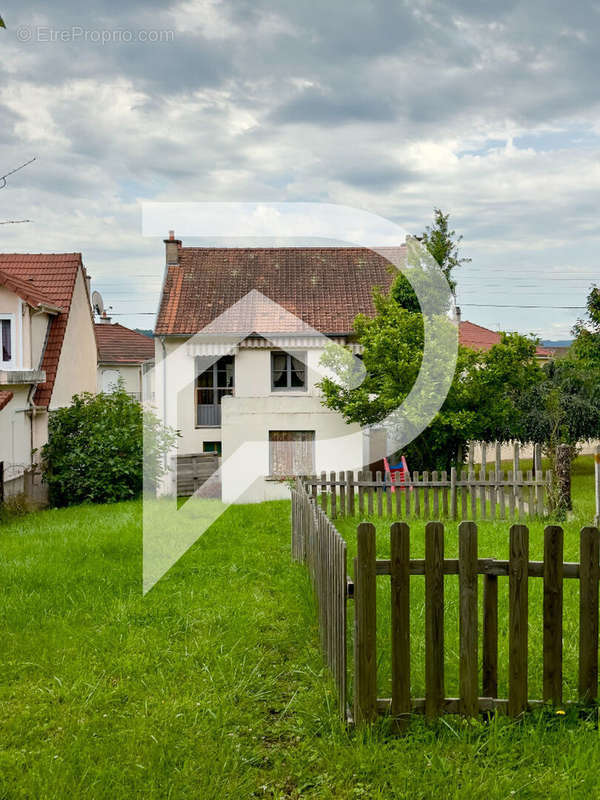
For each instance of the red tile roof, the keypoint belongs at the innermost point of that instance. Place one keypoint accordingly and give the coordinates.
(326, 287)
(477, 337)
(120, 345)
(26, 290)
(53, 276)
(5, 398)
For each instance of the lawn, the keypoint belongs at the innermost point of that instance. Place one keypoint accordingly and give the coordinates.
(212, 686)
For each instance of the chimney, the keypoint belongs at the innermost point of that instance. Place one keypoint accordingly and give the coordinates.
(457, 314)
(172, 246)
(104, 318)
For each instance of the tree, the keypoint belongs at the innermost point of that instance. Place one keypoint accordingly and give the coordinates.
(563, 409)
(101, 447)
(443, 245)
(586, 346)
(483, 400)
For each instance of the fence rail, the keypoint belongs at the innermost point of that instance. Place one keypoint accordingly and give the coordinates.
(494, 495)
(316, 542)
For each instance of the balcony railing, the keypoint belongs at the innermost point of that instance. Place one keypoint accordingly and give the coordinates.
(209, 416)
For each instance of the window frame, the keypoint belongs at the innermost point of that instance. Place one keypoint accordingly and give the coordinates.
(11, 363)
(300, 355)
(215, 388)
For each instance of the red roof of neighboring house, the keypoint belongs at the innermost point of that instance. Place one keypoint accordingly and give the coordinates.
(326, 287)
(5, 398)
(26, 290)
(51, 276)
(479, 338)
(120, 345)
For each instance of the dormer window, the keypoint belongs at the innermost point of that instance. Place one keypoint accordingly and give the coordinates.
(7, 340)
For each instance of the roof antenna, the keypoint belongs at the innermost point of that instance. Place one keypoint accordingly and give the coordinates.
(16, 169)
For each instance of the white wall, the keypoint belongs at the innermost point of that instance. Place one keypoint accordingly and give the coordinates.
(130, 373)
(246, 425)
(15, 431)
(78, 359)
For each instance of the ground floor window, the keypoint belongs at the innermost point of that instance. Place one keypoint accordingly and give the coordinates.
(291, 453)
(211, 447)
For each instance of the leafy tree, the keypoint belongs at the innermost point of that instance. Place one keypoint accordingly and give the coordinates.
(443, 245)
(586, 346)
(483, 401)
(563, 409)
(100, 448)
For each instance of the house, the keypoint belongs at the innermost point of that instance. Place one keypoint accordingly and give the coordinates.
(239, 337)
(124, 354)
(479, 338)
(48, 348)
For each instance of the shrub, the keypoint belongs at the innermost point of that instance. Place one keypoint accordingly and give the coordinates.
(95, 451)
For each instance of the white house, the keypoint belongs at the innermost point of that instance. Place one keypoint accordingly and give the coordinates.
(239, 336)
(47, 348)
(124, 355)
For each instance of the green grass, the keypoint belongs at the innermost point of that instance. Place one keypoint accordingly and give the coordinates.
(212, 686)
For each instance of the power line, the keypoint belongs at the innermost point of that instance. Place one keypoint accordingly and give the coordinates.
(509, 305)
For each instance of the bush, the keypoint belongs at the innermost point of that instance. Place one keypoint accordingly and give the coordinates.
(95, 451)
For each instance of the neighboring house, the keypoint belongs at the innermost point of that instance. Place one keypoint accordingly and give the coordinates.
(48, 348)
(276, 305)
(477, 337)
(124, 355)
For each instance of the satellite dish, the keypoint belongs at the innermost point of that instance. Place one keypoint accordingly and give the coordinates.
(97, 303)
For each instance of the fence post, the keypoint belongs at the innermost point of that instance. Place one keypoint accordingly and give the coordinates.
(553, 613)
(518, 619)
(434, 618)
(467, 574)
(597, 477)
(453, 500)
(400, 589)
(589, 574)
(365, 621)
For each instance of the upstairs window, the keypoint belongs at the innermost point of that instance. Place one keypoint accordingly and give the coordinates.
(288, 372)
(6, 340)
(213, 383)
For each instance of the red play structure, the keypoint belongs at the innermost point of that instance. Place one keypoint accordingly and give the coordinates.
(392, 469)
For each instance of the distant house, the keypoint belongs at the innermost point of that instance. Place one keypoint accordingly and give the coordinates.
(477, 337)
(124, 354)
(47, 348)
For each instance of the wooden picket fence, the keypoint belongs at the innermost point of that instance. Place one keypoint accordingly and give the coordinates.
(519, 569)
(317, 543)
(437, 495)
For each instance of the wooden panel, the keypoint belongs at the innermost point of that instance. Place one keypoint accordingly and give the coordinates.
(553, 613)
(369, 478)
(518, 619)
(490, 637)
(400, 612)
(379, 482)
(351, 498)
(467, 573)
(588, 614)
(434, 618)
(365, 683)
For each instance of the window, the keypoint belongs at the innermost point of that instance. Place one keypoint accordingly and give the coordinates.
(291, 453)
(211, 447)
(110, 380)
(7, 344)
(288, 371)
(214, 381)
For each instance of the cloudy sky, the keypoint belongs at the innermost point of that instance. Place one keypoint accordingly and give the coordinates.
(488, 110)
